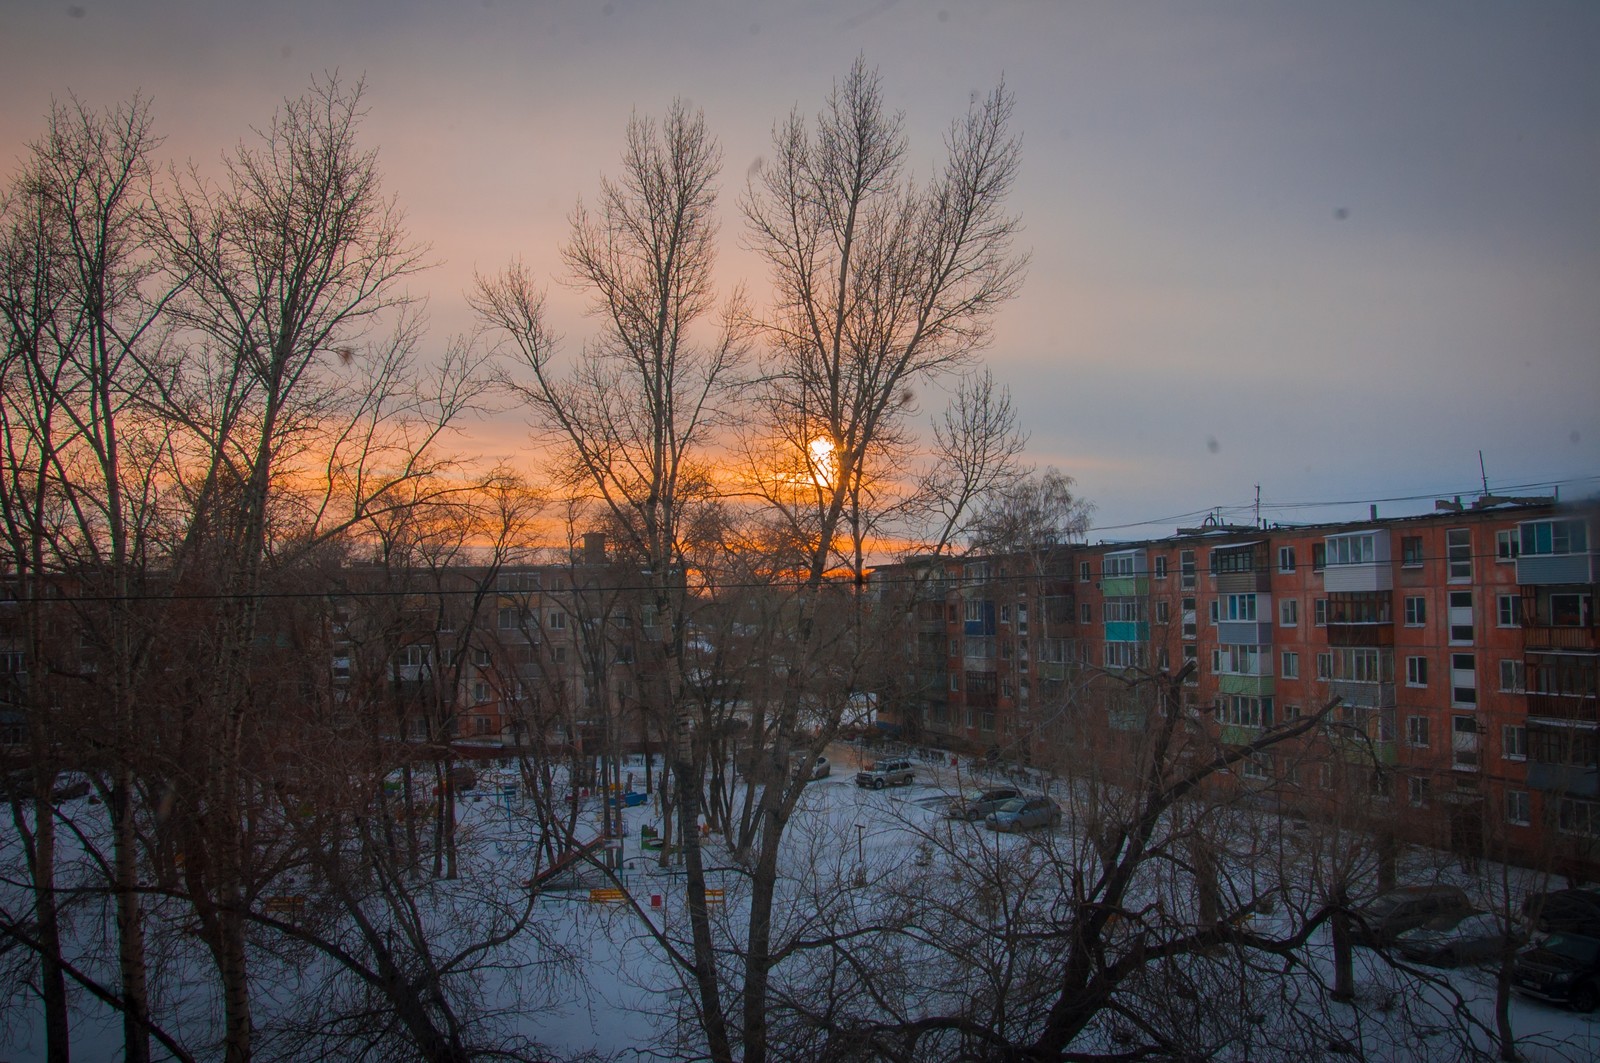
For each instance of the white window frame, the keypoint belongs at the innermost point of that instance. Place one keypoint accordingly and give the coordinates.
(1289, 612)
(1416, 671)
(1291, 664)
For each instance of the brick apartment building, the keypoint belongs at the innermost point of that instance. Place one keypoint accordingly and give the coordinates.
(1462, 644)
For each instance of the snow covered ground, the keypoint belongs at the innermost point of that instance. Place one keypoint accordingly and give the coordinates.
(620, 997)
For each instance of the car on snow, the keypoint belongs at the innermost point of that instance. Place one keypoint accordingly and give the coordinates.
(1385, 917)
(976, 805)
(1575, 911)
(886, 773)
(1563, 968)
(819, 769)
(1024, 813)
(1451, 940)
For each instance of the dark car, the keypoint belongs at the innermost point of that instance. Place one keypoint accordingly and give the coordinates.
(980, 804)
(1377, 923)
(1451, 940)
(1024, 813)
(1564, 968)
(1573, 910)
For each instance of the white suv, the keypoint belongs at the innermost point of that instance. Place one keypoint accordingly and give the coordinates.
(887, 773)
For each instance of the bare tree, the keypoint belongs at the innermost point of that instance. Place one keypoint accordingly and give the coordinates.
(79, 312)
(303, 414)
(880, 283)
(633, 421)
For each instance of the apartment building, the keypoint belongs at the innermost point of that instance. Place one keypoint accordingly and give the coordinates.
(1461, 646)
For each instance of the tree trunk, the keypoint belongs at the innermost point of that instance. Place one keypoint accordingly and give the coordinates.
(130, 924)
(705, 958)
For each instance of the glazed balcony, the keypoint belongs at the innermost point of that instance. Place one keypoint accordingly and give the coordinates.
(1260, 686)
(1358, 694)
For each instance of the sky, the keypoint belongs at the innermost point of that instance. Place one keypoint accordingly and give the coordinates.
(1324, 252)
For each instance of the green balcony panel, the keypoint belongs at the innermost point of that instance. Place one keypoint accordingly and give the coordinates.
(1125, 586)
(1254, 685)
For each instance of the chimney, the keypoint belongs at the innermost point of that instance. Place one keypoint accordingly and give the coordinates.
(594, 548)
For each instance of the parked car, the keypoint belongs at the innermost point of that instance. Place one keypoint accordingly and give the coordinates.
(1575, 911)
(1450, 940)
(1377, 923)
(1024, 813)
(887, 773)
(819, 769)
(1563, 968)
(977, 805)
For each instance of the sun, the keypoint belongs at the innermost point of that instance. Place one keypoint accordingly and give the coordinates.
(821, 460)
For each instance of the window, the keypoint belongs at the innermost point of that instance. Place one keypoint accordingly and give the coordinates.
(1417, 731)
(1513, 742)
(1319, 557)
(1512, 678)
(1416, 610)
(1291, 665)
(561, 655)
(1463, 679)
(1285, 559)
(1324, 666)
(1519, 810)
(955, 681)
(1163, 660)
(1161, 567)
(1083, 571)
(1554, 537)
(1416, 671)
(1461, 617)
(955, 648)
(508, 618)
(1256, 766)
(1241, 607)
(1508, 610)
(1187, 608)
(480, 658)
(974, 611)
(1086, 613)
(1241, 660)
(480, 692)
(1216, 607)
(1506, 546)
(1186, 569)
(1124, 655)
(1363, 664)
(1458, 554)
(1417, 791)
(1121, 564)
(1411, 551)
(1319, 612)
(558, 620)
(1005, 614)
(1351, 549)
(1289, 612)
(1162, 612)
(1577, 816)
(1241, 710)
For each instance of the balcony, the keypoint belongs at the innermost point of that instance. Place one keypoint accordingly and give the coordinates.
(1260, 686)
(1357, 694)
(1241, 568)
(1580, 708)
(1360, 618)
(1546, 570)
(1137, 586)
(1244, 633)
(1127, 631)
(1569, 780)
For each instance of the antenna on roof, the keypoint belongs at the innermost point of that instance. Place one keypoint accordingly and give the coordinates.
(1481, 472)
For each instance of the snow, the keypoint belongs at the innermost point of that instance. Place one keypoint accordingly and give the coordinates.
(851, 849)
